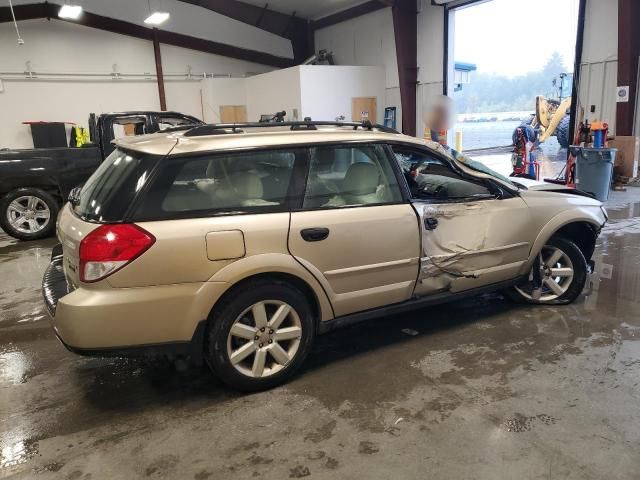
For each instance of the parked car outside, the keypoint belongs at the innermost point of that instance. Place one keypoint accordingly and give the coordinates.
(239, 244)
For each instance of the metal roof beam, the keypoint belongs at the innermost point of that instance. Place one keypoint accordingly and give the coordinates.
(350, 13)
(88, 19)
(260, 17)
(405, 27)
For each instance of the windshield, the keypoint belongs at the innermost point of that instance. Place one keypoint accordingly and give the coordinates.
(108, 193)
(477, 166)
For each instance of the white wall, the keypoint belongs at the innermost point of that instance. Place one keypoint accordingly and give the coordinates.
(600, 31)
(222, 91)
(316, 91)
(599, 69)
(327, 91)
(189, 97)
(430, 58)
(272, 92)
(367, 41)
(61, 47)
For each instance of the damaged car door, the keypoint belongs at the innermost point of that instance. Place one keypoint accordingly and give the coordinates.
(473, 233)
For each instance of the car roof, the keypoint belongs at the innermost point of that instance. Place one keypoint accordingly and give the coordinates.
(177, 143)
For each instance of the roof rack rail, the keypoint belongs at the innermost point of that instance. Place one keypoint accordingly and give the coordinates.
(179, 128)
(212, 129)
(226, 128)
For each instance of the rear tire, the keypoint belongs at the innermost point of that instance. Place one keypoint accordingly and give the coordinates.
(562, 132)
(28, 213)
(260, 336)
(564, 274)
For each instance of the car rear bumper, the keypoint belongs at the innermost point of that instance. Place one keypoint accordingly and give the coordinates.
(54, 282)
(106, 321)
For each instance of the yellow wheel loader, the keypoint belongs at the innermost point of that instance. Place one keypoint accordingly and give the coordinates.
(552, 114)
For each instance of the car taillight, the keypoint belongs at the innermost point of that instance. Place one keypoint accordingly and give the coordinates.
(108, 248)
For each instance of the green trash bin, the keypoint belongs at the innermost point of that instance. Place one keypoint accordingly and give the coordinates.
(594, 170)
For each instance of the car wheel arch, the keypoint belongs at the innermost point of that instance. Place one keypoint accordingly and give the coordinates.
(48, 184)
(583, 234)
(280, 277)
(568, 227)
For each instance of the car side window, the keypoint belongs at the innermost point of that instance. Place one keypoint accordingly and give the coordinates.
(431, 178)
(341, 176)
(243, 182)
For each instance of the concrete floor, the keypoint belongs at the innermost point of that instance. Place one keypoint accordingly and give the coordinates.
(477, 389)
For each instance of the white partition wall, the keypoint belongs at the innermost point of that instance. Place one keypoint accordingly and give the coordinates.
(217, 92)
(317, 91)
(327, 91)
(273, 92)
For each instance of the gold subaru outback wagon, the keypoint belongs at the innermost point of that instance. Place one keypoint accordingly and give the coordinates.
(238, 244)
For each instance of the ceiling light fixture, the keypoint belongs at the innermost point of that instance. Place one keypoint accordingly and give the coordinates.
(71, 12)
(157, 18)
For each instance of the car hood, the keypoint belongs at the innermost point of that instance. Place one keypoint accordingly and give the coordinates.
(546, 187)
(559, 195)
(536, 185)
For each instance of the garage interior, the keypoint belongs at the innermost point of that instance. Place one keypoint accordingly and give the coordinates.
(480, 388)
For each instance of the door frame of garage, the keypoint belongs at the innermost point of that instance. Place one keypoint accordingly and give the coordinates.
(448, 62)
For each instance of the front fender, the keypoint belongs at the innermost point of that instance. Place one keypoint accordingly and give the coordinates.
(591, 216)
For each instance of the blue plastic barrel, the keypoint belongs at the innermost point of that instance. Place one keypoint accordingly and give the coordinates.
(594, 170)
(598, 138)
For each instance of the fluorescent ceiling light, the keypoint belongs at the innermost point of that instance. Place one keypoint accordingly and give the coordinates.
(156, 18)
(70, 11)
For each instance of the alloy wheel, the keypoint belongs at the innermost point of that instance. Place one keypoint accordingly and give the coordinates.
(556, 273)
(28, 214)
(264, 338)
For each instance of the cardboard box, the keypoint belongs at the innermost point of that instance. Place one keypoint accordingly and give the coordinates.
(628, 154)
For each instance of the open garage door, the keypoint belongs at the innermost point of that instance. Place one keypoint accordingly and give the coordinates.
(504, 71)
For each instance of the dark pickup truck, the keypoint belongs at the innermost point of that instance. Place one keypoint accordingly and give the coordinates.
(34, 183)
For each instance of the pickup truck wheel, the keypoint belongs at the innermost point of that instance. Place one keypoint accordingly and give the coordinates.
(563, 274)
(260, 337)
(28, 213)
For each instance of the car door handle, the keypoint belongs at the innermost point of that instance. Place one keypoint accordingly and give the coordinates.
(314, 234)
(430, 223)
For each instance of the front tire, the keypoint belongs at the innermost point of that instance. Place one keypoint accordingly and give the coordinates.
(260, 336)
(28, 213)
(563, 270)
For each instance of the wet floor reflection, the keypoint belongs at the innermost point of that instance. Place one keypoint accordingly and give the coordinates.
(617, 285)
(17, 453)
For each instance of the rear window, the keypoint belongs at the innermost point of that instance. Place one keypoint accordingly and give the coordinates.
(239, 182)
(108, 193)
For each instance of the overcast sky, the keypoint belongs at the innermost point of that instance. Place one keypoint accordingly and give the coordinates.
(512, 37)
